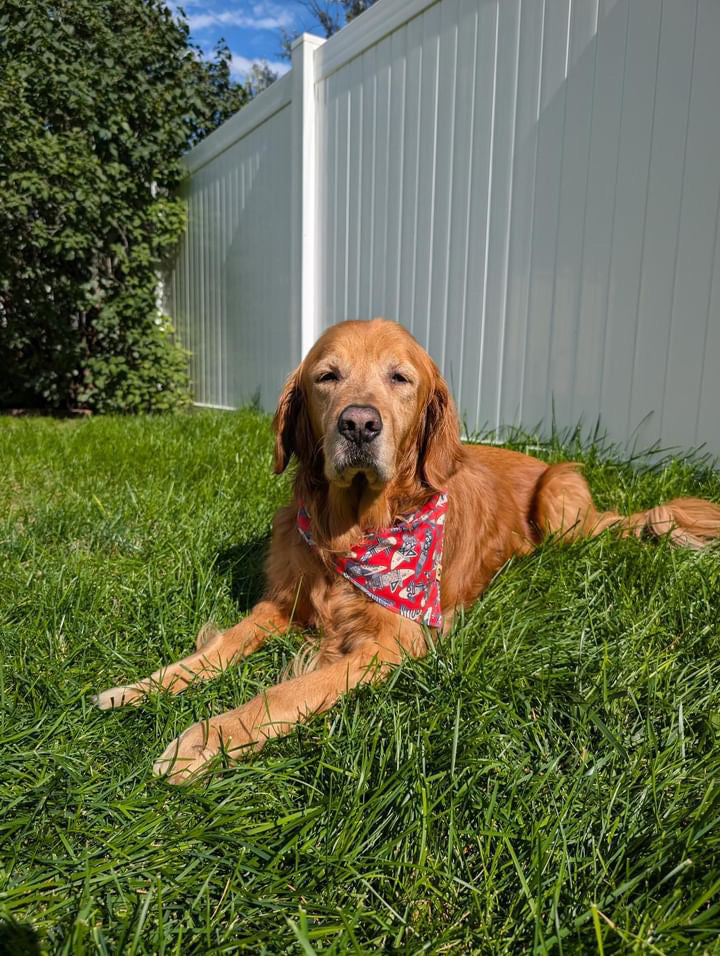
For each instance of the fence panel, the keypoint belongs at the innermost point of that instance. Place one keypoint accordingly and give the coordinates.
(229, 291)
(537, 200)
(530, 186)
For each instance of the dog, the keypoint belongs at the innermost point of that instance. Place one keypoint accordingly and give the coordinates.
(394, 525)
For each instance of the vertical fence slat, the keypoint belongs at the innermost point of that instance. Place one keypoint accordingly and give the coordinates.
(500, 212)
(461, 188)
(537, 395)
(410, 174)
(628, 236)
(480, 179)
(527, 111)
(602, 172)
(443, 180)
(573, 207)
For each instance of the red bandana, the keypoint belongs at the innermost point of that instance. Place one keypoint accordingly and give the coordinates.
(399, 567)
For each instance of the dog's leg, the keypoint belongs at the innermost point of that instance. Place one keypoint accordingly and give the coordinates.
(275, 712)
(212, 656)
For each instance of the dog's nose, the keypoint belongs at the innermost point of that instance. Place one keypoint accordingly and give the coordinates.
(360, 423)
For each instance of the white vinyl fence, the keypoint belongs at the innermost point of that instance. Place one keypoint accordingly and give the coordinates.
(531, 186)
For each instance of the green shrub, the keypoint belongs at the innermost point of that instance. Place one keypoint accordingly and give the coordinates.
(98, 100)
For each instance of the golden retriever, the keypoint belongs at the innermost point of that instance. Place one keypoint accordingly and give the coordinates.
(374, 430)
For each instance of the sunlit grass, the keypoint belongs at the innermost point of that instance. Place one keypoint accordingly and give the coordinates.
(545, 780)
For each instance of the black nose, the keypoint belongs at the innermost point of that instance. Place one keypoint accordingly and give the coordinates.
(360, 423)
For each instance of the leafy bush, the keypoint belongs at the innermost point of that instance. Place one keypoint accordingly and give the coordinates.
(98, 100)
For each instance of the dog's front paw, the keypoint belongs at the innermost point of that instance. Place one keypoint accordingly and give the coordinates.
(118, 697)
(185, 757)
(188, 756)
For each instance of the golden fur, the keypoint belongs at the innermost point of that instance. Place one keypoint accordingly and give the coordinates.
(500, 504)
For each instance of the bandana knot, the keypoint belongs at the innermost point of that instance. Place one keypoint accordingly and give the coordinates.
(398, 567)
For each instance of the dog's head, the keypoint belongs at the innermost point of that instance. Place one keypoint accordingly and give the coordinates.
(368, 405)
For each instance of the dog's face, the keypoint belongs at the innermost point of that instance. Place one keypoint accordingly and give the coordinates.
(367, 397)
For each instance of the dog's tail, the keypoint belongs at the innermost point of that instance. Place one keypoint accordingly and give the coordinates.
(562, 504)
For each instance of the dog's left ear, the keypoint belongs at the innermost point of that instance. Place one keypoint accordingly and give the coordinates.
(293, 434)
(440, 448)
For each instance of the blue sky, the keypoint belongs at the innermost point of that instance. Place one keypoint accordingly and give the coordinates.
(252, 28)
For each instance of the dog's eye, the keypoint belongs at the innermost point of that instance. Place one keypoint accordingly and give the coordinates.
(397, 378)
(328, 377)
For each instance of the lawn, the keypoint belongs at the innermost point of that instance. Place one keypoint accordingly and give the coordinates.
(545, 780)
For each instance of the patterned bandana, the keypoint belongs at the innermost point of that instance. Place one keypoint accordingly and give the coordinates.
(399, 567)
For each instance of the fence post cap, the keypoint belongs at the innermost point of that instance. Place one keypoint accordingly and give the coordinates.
(309, 38)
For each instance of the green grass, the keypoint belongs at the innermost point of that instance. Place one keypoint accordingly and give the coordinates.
(546, 780)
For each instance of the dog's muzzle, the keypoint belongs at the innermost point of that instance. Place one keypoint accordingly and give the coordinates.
(356, 449)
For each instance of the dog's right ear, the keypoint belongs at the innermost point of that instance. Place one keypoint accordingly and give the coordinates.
(293, 434)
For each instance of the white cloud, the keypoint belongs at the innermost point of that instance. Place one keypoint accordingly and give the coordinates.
(263, 17)
(241, 65)
(201, 20)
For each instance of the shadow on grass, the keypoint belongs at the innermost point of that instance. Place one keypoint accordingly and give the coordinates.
(243, 565)
(18, 939)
